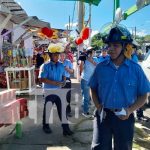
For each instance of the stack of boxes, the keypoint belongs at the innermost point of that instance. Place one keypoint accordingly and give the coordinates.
(11, 109)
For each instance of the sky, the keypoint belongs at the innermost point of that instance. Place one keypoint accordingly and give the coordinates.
(57, 13)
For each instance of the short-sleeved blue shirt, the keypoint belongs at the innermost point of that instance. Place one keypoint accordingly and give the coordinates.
(67, 63)
(117, 88)
(101, 58)
(53, 72)
(135, 58)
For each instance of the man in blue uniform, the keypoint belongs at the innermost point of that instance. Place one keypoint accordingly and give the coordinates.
(52, 76)
(104, 56)
(118, 88)
(68, 71)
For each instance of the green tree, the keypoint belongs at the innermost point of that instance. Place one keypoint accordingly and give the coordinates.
(96, 41)
(147, 38)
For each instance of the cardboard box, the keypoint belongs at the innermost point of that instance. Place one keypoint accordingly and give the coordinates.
(24, 83)
(15, 84)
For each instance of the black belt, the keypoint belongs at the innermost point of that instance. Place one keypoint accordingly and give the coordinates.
(111, 110)
(68, 79)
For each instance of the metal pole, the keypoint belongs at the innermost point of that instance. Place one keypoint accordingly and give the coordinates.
(90, 24)
(116, 5)
(80, 26)
(135, 33)
(80, 16)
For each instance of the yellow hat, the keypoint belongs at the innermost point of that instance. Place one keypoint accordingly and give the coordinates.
(56, 48)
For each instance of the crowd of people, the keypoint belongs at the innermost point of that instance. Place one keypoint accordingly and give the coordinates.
(113, 81)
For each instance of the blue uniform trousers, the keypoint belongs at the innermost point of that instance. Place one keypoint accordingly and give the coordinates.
(112, 127)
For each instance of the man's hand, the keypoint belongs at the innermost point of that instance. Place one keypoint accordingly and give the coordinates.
(92, 61)
(59, 83)
(128, 113)
(63, 83)
(98, 106)
(66, 68)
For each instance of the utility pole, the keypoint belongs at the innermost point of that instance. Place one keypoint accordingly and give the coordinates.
(80, 27)
(68, 30)
(90, 24)
(80, 15)
(135, 33)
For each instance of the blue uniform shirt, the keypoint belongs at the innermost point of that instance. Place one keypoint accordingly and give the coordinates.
(101, 58)
(67, 63)
(53, 72)
(117, 88)
(135, 58)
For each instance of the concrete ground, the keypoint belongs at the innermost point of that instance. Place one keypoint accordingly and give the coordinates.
(35, 139)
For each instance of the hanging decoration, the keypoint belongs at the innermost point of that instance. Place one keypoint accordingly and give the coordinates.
(45, 31)
(85, 33)
(50, 33)
(79, 41)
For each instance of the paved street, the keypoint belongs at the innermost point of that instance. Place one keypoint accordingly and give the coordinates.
(35, 139)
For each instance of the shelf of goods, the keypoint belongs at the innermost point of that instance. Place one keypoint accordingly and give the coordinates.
(20, 78)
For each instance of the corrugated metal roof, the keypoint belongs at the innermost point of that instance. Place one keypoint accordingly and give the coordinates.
(19, 15)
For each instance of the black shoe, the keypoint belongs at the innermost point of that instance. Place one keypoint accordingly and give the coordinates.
(47, 129)
(69, 114)
(67, 132)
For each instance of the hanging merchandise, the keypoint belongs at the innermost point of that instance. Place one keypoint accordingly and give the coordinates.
(6, 47)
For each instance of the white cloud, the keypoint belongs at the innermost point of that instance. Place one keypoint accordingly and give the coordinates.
(94, 32)
(141, 33)
(72, 24)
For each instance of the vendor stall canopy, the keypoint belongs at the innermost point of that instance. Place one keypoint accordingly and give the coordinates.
(19, 15)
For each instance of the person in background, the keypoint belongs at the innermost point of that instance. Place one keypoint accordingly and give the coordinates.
(45, 56)
(52, 75)
(87, 66)
(39, 62)
(104, 55)
(134, 57)
(118, 88)
(1, 65)
(69, 54)
(68, 71)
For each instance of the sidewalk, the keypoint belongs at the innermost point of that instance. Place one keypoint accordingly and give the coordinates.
(35, 139)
